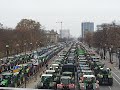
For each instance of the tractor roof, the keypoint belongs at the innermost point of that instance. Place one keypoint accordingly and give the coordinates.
(67, 72)
(55, 64)
(50, 75)
(6, 73)
(87, 71)
(50, 70)
(65, 77)
(88, 76)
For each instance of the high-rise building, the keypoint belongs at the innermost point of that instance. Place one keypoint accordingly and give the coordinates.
(65, 33)
(87, 26)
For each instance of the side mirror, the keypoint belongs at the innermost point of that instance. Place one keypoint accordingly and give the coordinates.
(110, 69)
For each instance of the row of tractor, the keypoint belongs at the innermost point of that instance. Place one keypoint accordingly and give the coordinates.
(91, 71)
(17, 69)
(60, 74)
(76, 68)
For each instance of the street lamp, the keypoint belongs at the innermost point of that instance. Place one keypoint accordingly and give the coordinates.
(110, 53)
(17, 45)
(40, 44)
(31, 46)
(104, 50)
(25, 47)
(119, 56)
(7, 46)
(36, 46)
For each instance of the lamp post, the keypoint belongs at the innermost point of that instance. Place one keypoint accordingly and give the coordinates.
(17, 45)
(7, 51)
(40, 44)
(110, 53)
(36, 46)
(25, 47)
(25, 76)
(104, 50)
(118, 56)
(31, 47)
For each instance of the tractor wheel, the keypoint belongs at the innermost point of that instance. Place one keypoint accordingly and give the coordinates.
(100, 81)
(110, 81)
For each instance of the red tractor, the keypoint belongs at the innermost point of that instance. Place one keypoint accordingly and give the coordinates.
(66, 83)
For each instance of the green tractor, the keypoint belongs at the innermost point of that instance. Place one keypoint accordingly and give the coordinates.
(89, 82)
(6, 79)
(66, 83)
(68, 74)
(47, 82)
(97, 67)
(105, 77)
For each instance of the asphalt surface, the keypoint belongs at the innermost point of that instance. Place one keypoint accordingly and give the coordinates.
(34, 81)
(115, 72)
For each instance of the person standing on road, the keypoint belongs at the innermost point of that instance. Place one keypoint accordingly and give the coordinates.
(46, 65)
(101, 54)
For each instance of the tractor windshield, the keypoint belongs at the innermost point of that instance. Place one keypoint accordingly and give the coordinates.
(6, 76)
(65, 81)
(89, 80)
(88, 73)
(46, 78)
(104, 72)
(67, 74)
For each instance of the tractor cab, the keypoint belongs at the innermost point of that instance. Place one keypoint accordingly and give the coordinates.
(47, 82)
(66, 83)
(89, 82)
(6, 79)
(105, 76)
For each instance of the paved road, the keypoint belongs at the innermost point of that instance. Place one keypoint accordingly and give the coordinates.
(115, 73)
(33, 82)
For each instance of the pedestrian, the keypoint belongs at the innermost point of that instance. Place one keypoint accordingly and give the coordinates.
(101, 55)
(46, 65)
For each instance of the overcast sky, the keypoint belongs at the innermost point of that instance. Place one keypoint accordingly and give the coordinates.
(70, 12)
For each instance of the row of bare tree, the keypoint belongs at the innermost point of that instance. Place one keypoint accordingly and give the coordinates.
(27, 35)
(106, 36)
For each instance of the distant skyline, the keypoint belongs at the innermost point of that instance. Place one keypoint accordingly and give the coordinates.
(71, 12)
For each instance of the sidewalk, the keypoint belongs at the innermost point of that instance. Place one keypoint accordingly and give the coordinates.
(35, 79)
(114, 58)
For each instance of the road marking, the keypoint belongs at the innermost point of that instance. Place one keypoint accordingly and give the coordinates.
(116, 75)
(116, 80)
(117, 69)
(109, 87)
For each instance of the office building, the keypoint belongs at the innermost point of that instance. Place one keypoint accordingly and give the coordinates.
(87, 27)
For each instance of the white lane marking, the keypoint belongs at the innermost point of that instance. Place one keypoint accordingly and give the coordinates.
(117, 69)
(109, 87)
(116, 80)
(116, 75)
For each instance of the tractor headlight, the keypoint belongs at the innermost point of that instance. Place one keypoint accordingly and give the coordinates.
(101, 76)
(109, 76)
(41, 84)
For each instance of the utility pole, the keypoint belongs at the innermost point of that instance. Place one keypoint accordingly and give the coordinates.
(119, 57)
(7, 51)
